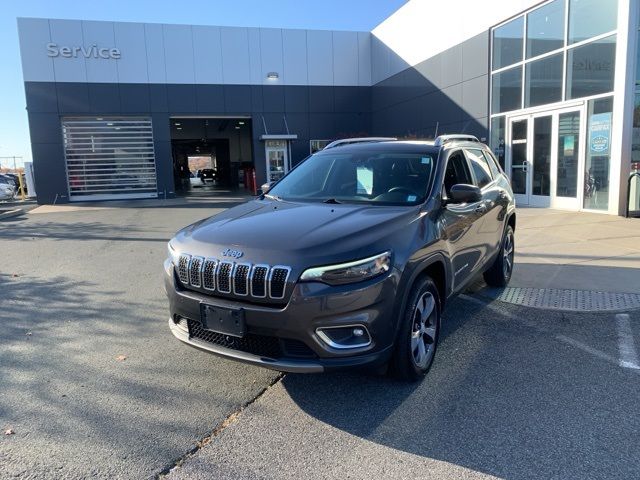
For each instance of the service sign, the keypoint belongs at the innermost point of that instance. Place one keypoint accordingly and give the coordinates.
(600, 133)
(93, 51)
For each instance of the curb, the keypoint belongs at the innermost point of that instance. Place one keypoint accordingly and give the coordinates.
(11, 213)
(591, 301)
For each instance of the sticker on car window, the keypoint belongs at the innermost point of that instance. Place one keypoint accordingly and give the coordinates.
(411, 198)
(426, 160)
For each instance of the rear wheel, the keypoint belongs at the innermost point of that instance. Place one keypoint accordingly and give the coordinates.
(419, 330)
(500, 271)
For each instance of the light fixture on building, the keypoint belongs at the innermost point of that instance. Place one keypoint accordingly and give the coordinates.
(273, 76)
(240, 123)
(178, 128)
(237, 128)
(177, 124)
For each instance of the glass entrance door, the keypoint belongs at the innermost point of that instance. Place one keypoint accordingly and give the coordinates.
(544, 158)
(519, 159)
(277, 154)
(531, 150)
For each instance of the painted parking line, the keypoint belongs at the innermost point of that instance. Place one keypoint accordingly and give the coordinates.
(626, 345)
(586, 348)
(629, 359)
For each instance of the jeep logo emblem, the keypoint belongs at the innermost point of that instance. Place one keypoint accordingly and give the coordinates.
(229, 252)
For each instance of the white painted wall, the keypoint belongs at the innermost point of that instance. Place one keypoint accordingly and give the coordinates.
(184, 54)
(421, 29)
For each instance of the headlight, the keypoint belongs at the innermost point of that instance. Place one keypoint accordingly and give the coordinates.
(173, 254)
(349, 272)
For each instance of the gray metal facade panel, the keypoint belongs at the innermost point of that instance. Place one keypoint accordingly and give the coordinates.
(449, 90)
(135, 98)
(50, 172)
(105, 97)
(321, 118)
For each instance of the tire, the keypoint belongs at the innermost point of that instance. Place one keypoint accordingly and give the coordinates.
(499, 274)
(418, 332)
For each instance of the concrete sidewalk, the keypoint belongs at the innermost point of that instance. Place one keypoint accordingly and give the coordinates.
(577, 251)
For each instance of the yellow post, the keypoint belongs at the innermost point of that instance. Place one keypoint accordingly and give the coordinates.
(22, 195)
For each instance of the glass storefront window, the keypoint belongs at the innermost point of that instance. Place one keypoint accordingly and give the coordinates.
(543, 81)
(635, 142)
(588, 18)
(506, 90)
(496, 141)
(568, 154)
(545, 28)
(591, 68)
(507, 43)
(542, 132)
(596, 172)
(635, 145)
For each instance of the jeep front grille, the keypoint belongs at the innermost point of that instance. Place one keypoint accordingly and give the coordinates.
(259, 281)
(195, 271)
(225, 269)
(277, 281)
(241, 279)
(209, 274)
(183, 268)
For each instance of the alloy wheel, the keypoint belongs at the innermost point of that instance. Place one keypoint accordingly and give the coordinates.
(508, 254)
(423, 333)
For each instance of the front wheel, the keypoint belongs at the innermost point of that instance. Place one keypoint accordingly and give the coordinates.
(501, 270)
(419, 330)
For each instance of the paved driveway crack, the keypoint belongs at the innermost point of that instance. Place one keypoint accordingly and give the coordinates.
(228, 421)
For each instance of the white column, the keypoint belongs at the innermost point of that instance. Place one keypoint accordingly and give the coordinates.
(623, 104)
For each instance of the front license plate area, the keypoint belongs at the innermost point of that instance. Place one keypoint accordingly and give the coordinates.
(223, 320)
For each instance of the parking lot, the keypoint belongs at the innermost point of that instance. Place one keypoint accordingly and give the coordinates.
(93, 384)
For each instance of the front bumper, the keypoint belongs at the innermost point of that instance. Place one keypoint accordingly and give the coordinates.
(311, 306)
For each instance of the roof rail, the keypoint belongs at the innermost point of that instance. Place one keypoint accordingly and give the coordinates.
(350, 141)
(442, 139)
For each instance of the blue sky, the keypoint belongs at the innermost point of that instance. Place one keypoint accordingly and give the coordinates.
(361, 15)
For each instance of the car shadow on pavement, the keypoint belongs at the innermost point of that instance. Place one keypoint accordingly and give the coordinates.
(93, 383)
(501, 399)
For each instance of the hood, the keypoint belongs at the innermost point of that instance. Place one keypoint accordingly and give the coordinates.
(281, 232)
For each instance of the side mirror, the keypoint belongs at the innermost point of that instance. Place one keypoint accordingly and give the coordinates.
(265, 187)
(463, 193)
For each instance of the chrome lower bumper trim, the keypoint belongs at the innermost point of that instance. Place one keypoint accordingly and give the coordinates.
(271, 363)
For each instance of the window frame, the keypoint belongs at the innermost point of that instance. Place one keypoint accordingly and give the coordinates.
(564, 50)
(473, 172)
(450, 155)
(496, 169)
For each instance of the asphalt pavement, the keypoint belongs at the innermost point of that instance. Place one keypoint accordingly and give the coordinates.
(92, 382)
(514, 393)
(93, 385)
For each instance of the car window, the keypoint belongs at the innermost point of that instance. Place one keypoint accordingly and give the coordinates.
(457, 172)
(480, 167)
(493, 164)
(382, 178)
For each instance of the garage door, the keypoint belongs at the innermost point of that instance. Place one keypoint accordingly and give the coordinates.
(109, 158)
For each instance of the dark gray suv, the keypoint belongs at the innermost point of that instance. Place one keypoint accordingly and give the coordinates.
(348, 260)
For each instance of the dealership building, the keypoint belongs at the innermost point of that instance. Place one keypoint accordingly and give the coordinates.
(117, 110)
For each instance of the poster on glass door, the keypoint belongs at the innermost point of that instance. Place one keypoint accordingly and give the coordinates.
(600, 134)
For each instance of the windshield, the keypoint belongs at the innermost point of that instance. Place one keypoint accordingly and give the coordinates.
(360, 177)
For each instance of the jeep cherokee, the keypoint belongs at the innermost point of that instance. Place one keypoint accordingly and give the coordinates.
(348, 260)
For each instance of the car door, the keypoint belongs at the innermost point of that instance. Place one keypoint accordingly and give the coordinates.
(459, 221)
(489, 229)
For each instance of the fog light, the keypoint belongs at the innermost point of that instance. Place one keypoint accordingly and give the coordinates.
(343, 337)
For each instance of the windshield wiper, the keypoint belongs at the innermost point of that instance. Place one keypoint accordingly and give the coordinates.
(272, 197)
(332, 201)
